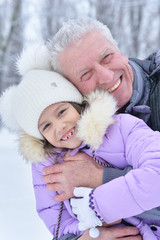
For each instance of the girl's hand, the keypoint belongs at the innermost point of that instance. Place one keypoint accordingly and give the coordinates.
(80, 207)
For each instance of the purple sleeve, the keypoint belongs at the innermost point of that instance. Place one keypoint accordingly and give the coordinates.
(138, 190)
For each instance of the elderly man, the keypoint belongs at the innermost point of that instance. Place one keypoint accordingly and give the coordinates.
(84, 51)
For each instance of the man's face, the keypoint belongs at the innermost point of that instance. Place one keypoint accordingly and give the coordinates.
(94, 62)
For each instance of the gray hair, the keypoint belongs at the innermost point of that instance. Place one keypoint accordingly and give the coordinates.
(72, 31)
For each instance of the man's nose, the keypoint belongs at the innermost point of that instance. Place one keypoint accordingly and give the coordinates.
(104, 75)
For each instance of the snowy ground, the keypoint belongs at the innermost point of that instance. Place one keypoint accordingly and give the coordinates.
(18, 217)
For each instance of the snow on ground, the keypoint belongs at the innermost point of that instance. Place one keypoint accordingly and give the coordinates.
(18, 216)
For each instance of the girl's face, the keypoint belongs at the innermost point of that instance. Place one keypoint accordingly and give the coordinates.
(57, 124)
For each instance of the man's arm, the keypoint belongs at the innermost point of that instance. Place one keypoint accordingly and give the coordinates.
(112, 173)
(69, 237)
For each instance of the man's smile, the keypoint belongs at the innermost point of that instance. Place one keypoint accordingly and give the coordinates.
(110, 90)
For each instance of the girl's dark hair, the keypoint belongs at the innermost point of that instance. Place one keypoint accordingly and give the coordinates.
(49, 148)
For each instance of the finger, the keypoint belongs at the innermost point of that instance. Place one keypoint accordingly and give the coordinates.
(62, 197)
(131, 231)
(124, 231)
(79, 191)
(132, 238)
(52, 178)
(53, 169)
(55, 187)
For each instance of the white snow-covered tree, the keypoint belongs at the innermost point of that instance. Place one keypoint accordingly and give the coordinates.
(52, 13)
(135, 24)
(11, 31)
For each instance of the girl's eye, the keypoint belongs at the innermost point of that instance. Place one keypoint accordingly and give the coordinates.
(46, 126)
(61, 112)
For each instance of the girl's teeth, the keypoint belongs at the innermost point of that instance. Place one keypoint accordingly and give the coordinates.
(69, 135)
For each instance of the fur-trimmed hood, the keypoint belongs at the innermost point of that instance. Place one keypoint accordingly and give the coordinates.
(93, 123)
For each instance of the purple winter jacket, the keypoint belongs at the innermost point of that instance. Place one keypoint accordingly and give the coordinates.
(129, 141)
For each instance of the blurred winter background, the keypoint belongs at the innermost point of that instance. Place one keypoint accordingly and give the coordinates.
(135, 24)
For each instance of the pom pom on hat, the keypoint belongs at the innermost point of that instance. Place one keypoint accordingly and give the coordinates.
(36, 56)
(6, 108)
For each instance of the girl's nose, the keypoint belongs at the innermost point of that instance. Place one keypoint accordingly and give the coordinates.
(60, 127)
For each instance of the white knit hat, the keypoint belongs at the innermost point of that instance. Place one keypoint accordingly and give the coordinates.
(22, 105)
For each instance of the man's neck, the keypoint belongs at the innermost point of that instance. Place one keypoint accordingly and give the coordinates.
(122, 109)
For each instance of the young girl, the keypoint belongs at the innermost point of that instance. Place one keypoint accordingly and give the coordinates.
(48, 112)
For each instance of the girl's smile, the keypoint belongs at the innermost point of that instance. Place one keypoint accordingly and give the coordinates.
(68, 135)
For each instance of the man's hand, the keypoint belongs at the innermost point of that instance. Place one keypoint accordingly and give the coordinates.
(123, 233)
(76, 171)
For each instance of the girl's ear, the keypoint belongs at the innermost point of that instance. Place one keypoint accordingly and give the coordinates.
(31, 148)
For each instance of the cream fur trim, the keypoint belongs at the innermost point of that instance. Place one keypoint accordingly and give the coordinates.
(31, 148)
(96, 118)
